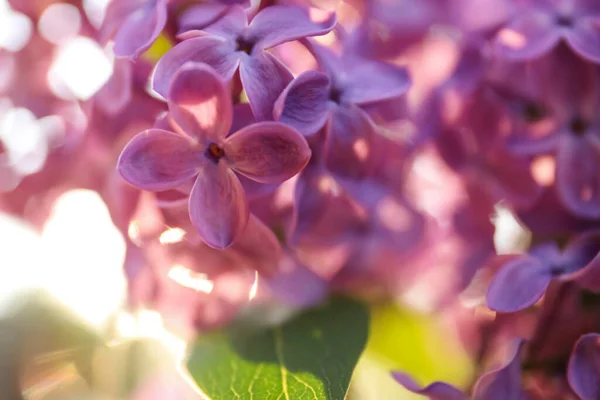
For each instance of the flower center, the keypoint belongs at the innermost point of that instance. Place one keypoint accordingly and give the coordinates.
(578, 126)
(335, 95)
(564, 21)
(244, 45)
(557, 270)
(533, 113)
(214, 153)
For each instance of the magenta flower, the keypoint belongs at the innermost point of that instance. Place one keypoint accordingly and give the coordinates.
(542, 24)
(199, 104)
(232, 42)
(134, 25)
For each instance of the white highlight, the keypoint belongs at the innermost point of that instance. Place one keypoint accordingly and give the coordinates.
(15, 28)
(81, 68)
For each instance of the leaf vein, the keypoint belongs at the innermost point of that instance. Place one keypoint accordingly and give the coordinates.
(281, 360)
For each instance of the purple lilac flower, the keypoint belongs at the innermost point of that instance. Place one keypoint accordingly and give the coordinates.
(232, 42)
(338, 95)
(522, 282)
(540, 25)
(555, 99)
(199, 104)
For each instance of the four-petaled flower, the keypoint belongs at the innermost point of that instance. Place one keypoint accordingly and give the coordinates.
(232, 42)
(542, 24)
(200, 109)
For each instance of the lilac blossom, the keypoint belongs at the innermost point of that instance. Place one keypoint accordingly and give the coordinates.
(522, 282)
(539, 25)
(552, 103)
(232, 42)
(160, 160)
(337, 96)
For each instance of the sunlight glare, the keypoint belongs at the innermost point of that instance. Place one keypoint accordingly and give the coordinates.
(15, 28)
(190, 279)
(85, 254)
(80, 69)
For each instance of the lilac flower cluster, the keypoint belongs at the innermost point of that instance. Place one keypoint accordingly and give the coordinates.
(294, 149)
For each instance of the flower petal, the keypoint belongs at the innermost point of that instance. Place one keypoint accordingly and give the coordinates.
(581, 260)
(518, 284)
(584, 367)
(141, 29)
(529, 35)
(584, 38)
(577, 178)
(371, 81)
(279, 24)
(231, 25)
(508, 178)
(200, 103)
(311, 198)
(263, 77)
(503, 383)
(218, 208)
(242, 117)
(268, 152)
(434, 391)
(298, 286)
(216, 52)
(198, 17)
(116, 14)
(350, 143)
(329, 62)
(258, 247)
(304, 103)
(158, 160)
(116, 93)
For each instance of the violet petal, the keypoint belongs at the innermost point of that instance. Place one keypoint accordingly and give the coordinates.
(268, 152)
(584, 367)
(577, 178)
(279, 24)
(350, 143)
(231, 25)
(158, 160)
(503, 383)
(198, 17)
(372, 81)
(304, 103)
(140, 30)
(584, 38)
(528, 36)
(518, 284)
(216, 52)
(200, 103)
(263, 77)
(218, 208)
(434, 391)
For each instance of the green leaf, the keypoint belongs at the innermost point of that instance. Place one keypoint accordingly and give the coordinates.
(310, 357)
